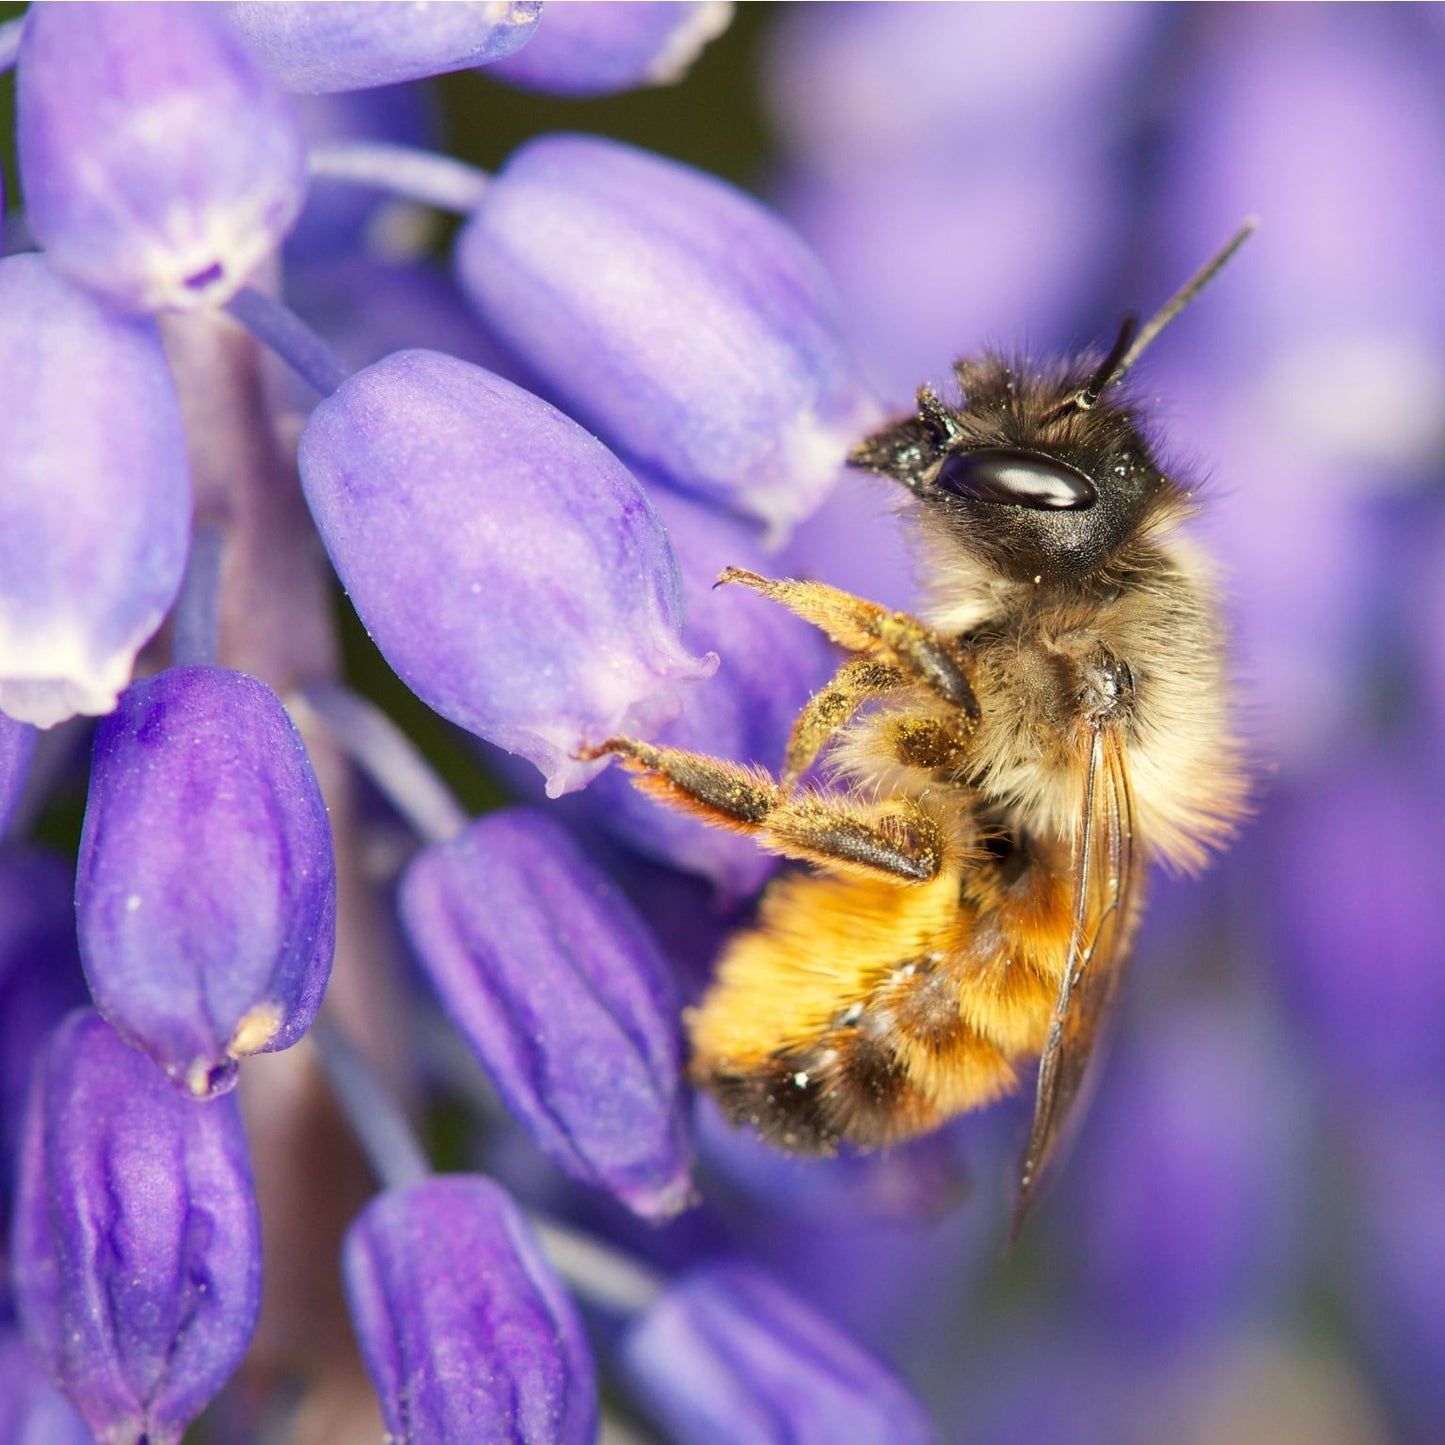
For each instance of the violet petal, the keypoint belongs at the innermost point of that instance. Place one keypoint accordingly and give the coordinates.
(206, 887)
(562, 994)
(727, 1355)
(137, 1239)
(467, 1334)
(160, 164)
(673, 313)
(596, 47)
(95, 506)
(507, 565)
(316, 48)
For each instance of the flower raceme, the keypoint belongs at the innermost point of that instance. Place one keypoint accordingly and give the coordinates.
(515, 569)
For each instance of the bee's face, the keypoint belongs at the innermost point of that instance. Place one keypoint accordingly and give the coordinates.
(1038, 490)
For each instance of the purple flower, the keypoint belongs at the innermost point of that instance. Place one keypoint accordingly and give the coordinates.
(673, 313)
(32, 1410)
(339, 46)
(562, 993)
(206, 888)
(594, 47)
(137, 1242)
(744, 712)
(507, 565)
(160, 165)
(467, 1334)
(17, 746)
(94, 495)
(40, 982)
(726, 1355)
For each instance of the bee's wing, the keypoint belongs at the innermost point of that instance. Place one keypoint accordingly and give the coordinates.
(1107, 884)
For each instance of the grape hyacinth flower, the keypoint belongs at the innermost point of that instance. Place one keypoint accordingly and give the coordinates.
(563, 995)
(206, 891)
(526, 461)
(159, 163)
(94, 494)
(317, 48)
(137, 1244)
(495, 1351)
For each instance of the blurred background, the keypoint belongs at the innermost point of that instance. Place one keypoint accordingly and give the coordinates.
(1248, 1243)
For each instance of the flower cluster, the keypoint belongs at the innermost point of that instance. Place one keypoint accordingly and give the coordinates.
(288, 975)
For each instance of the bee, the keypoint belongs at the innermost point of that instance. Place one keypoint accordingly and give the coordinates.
(1001, 769)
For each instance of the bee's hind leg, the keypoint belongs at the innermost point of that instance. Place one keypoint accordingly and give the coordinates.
(898, 838)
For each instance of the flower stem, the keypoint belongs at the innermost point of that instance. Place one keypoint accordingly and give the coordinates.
(382, 1130)
(196, 621)
(418, 175)
(10, 34)
(606, 1277)
(281, 329)
(389, 758)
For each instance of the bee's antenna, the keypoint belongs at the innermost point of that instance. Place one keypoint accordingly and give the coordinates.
(1129, 347)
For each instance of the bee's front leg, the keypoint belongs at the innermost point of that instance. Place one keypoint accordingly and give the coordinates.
(897, 838)
(897, 639)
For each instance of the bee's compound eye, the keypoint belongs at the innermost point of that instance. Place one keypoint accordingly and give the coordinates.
(1016, 478)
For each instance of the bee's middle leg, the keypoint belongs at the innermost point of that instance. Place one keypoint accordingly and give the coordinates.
(898, 838)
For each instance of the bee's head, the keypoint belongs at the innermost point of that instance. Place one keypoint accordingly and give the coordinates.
(1022, 476)
(1043, 478)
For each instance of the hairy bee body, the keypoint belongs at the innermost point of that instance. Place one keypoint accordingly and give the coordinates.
(860, 1010)
(997, 773)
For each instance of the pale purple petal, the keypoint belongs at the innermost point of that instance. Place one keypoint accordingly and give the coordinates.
(159, 163)
(206, 892)
(507, 565)
(469, 1337)
(94, 494)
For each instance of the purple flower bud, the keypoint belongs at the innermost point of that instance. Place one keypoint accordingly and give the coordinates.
(206, 887)
(727, 1355)
(598, 48)
(506, 563)
(316, 48)
(467, 1334)
(561, 992)
(137, 1240)
(32, 1410)
(674, 314)
(160, 164)
(94, 495)
(17, 744)
(40, 982)
(770, 662)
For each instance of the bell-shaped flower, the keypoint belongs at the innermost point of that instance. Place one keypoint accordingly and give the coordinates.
(562, 994)
(160, 163)
(95, 505)
(316, 48)
(40, 982)
(598, 49)
(17, 744)
(726, 1354)
(137, 1238)
(507, 565)
(467, 1334)
(674, 314)
(770, 662)
(206, 890)
(32, 1410)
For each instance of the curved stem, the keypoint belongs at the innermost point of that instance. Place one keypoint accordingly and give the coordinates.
(603, 1275)
(418, 175)
(389, 758)
(196, 620)
(281, 329)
